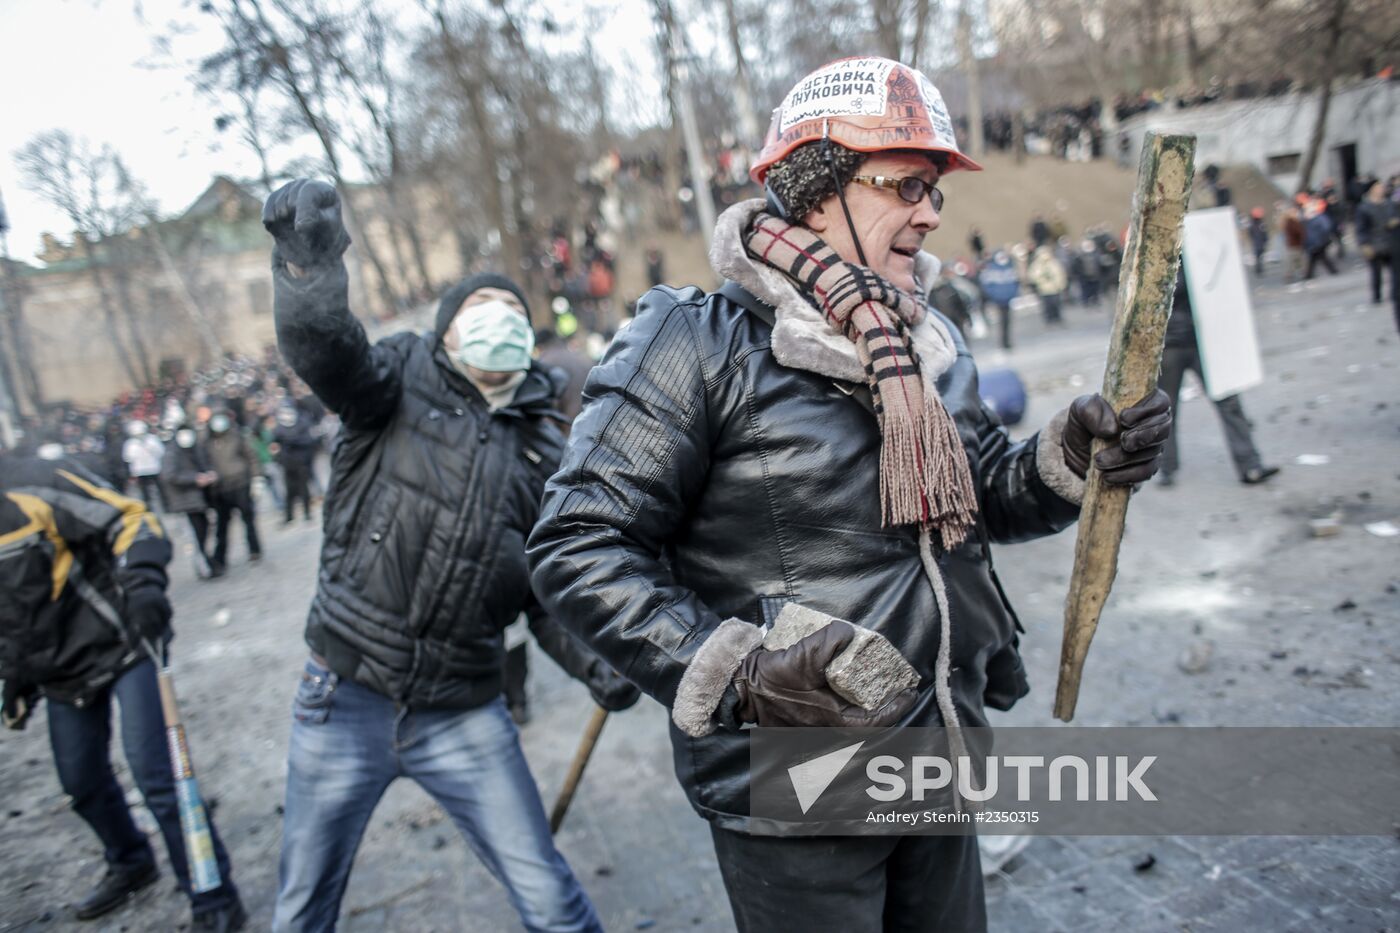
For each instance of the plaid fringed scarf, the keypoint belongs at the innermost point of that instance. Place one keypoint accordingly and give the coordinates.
(924, 474)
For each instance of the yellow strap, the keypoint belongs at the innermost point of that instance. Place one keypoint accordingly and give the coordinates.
(133, 512)
(40, 515)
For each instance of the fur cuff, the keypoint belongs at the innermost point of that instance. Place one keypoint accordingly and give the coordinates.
(1050, 461)
(709, 674)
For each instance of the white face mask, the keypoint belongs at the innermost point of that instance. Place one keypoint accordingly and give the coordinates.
(185, 438)
(494, 337)
(218, 424)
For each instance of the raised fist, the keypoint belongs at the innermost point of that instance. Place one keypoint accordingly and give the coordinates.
(303, 217)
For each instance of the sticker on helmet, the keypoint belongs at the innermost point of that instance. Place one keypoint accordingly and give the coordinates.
(937, 111)
(854, 87)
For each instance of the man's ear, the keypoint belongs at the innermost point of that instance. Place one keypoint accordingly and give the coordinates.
(817, 219)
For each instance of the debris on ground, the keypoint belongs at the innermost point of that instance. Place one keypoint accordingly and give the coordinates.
(1328, 527)
(1382, 529)
(1145, 863)
(1196, 658)
(1312, 460)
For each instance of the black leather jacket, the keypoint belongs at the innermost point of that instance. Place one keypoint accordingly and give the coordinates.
(431, 497)
(704, 480)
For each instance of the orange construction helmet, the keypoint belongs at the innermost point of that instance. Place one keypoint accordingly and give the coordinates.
(866, 105)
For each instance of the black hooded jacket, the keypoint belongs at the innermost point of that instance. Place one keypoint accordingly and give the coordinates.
(72, 550)
(431, 497)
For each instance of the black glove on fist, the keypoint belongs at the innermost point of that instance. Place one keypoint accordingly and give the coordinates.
(148, 615)
(17, 704)
(1136, 437)
(789, 687)
(303, 216)
(611, 690)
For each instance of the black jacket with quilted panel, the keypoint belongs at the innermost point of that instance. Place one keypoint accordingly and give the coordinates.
(703, 480)
(431, 497)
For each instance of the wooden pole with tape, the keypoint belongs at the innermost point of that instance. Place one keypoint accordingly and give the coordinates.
(1150, 260)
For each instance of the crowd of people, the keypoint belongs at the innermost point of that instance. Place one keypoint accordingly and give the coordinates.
(1049, 264)
(205, 446)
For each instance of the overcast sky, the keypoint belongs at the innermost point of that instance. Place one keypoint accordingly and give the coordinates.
(78, 65)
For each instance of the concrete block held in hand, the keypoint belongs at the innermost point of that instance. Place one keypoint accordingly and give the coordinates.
(868, 673)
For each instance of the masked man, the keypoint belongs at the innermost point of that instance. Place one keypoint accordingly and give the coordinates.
(83, 612)
(811, 435)
(447, 441)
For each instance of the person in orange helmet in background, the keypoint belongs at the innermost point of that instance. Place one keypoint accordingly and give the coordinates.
(806, 446)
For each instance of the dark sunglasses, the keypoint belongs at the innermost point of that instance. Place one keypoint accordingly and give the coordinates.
(911, 189)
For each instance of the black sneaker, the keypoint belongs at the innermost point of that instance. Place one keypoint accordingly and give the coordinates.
(1166, 478)
(226, 920)
(1256, 475)
(114, 888)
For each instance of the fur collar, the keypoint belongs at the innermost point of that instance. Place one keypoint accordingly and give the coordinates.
(802, 338)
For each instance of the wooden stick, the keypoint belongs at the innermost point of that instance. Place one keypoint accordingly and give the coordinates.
(585, 751)
(1145, 287)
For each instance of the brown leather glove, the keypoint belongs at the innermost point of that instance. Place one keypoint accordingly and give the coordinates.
(1138, 436)
(789, 687)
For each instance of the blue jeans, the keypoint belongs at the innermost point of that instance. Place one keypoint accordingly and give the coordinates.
(349, 743)
(81, 738)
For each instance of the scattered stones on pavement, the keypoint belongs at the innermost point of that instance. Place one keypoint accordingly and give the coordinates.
(1328, 527)
(1196, 658)
(1145, 863)
(1312, 460)
(1344, 605)
(1382, 529)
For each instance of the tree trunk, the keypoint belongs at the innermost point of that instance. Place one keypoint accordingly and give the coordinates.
(743, 88)
(671, 164)
(888, 23)
(109, 311)
(288, 76)
(489, 154)
(121, 276)
(184, 294)
(975, 142)
(21, 344)
(1335, 22)
(916, 50)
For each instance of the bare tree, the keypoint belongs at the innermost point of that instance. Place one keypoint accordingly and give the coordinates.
(288, 41)
(85, 186)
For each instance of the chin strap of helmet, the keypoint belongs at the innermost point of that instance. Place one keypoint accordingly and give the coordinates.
(840, 190)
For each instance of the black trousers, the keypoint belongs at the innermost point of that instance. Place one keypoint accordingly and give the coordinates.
(1314, 259)
(1238, 434)
(298, 479)
(1004, 316)
(225, 504)
(517, 671)
(855, 884)
(151, 492)
(82, 737)
(1379, 263)
(199, 524)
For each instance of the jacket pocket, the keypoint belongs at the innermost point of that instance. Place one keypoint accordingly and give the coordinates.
(312, 703)
(371, 534)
